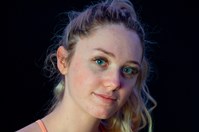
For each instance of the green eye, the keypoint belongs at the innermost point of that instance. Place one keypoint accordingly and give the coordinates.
(129, 71)
(100, 61)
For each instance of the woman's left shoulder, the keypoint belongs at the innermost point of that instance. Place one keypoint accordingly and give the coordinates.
(33, 127)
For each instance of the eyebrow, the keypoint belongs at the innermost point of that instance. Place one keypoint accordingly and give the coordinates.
(112, 55)
(106, 52)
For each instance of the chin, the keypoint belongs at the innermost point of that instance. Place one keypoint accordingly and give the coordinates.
(103, 114)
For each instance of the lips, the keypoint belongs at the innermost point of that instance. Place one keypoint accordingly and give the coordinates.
(105, 98)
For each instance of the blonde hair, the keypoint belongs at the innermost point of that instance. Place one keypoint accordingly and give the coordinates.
(134, 115)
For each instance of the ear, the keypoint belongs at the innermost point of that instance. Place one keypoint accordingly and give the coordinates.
(61, 60)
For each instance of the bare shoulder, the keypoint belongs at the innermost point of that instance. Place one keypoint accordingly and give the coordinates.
(33, 127)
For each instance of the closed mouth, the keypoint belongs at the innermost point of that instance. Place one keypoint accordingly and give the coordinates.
(105, 97)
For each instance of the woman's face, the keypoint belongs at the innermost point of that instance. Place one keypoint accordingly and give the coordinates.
(104, 70)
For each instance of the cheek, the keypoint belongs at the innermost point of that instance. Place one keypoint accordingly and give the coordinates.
(81, 77)
(124, 96)
(74, 77)
(77, 75)
(126, 91)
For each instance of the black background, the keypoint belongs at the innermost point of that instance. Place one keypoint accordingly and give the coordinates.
(31, 25)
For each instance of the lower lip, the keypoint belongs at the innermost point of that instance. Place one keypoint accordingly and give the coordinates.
(104, 99)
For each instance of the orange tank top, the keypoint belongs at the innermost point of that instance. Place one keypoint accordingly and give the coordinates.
(43, 128)
(41, 125)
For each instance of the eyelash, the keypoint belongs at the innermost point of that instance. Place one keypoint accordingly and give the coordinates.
(134, 70)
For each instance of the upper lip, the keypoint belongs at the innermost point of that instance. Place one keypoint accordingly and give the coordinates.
(107, 96)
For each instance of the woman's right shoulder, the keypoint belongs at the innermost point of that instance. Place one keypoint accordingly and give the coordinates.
(33, 127)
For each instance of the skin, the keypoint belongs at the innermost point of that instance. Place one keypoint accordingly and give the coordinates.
(98, 80)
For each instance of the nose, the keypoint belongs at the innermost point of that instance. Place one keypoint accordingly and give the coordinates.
(112, 80)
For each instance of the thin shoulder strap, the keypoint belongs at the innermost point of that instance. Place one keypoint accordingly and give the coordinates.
(41, 125)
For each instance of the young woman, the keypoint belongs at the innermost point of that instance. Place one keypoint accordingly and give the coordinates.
(102, 72)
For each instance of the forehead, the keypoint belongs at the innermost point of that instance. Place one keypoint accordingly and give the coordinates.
(117, 39)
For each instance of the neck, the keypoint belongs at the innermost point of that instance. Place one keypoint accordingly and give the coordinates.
(68, 117)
